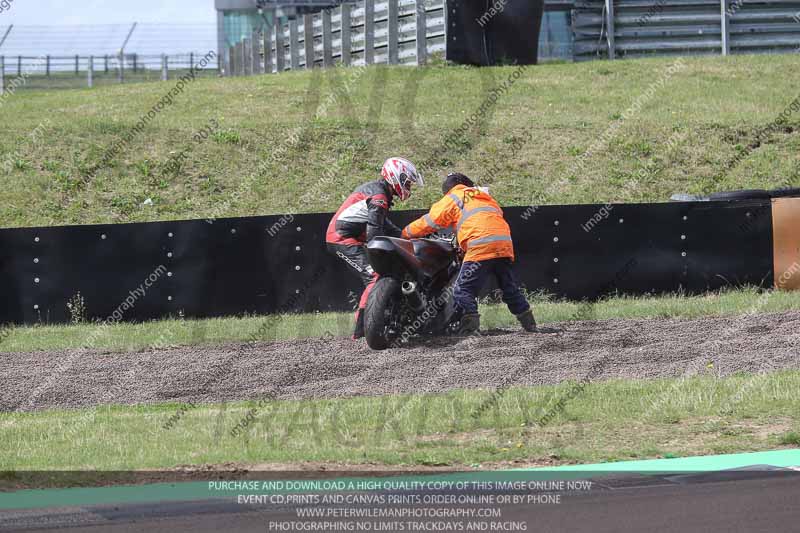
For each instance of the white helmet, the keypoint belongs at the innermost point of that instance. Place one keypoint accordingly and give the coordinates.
(401, 174)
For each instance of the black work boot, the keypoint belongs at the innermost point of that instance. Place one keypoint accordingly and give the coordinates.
(470, 323)
(527, 321)
(358, 333)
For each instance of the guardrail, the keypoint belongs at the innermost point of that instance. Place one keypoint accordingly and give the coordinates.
(363, 33)
(634, 28)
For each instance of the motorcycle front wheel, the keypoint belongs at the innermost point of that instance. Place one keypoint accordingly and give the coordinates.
(382, 318)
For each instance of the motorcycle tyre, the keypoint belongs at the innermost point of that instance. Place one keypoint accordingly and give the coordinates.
(383, 293)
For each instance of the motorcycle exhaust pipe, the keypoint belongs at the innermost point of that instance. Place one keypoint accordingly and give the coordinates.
(413, 296)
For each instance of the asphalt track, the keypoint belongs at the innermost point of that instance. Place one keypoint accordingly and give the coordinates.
(327, 368)
(722, 501)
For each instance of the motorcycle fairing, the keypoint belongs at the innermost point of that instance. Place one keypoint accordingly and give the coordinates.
(426, 256)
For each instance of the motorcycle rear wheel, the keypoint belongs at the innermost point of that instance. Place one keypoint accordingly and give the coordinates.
(380, 320)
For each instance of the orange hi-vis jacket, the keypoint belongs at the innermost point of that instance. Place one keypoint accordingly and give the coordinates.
(480, 228)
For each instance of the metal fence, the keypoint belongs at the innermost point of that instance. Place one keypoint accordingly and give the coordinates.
(144, 39)
(363, 33)
(634, 28)
(18, 72)
(43, 57)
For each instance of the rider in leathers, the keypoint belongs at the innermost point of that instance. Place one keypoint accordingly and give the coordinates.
(363, 216)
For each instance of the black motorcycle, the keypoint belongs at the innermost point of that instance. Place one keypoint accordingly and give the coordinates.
(414, 294)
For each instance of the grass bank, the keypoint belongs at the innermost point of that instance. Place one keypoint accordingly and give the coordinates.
(177, 332)
(598, 131)
(606, 421)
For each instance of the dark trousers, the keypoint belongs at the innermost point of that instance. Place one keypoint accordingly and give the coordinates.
(356, 259)
(473, 277)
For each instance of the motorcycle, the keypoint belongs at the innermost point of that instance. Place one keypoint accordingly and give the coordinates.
(414, 294)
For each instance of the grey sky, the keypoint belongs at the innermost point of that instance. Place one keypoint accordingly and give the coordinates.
(165, 26)
(70, 12)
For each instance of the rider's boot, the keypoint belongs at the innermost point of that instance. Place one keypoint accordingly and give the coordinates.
(470, 323)
(527, 321)
(358, 333)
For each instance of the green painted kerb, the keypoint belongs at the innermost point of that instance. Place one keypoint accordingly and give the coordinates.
(189, 491)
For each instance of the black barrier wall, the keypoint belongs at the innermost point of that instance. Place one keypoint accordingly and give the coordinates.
(275, 264)
(494, 32)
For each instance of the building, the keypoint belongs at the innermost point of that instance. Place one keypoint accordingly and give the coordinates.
(237, 19)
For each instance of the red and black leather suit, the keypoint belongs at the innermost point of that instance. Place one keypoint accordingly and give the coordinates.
(361, 218)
